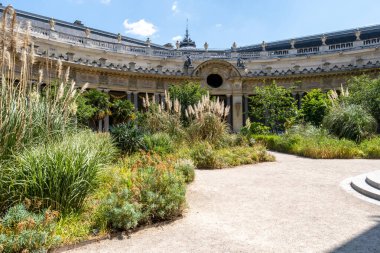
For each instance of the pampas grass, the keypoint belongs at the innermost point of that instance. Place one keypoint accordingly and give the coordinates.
(29, 112)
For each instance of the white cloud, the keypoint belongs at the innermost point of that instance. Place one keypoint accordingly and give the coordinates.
(175, 7)
(105, 1)
(178, 37)
(141, 27)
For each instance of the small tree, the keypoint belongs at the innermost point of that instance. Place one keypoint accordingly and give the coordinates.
(274, 106)
(365, 91)
(315, 106)
(122, 111)
(188, 94)
(93, 105)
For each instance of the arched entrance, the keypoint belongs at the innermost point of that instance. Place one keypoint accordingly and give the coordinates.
(224, 80)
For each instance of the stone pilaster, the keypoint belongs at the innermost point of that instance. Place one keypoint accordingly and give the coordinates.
(228, 103)
(157, 98)
(136, 100)
(106, 127)
(129, 96)
(237, 112)
(245, 108)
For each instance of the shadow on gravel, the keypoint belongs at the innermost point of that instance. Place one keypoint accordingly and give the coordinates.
(368, 241)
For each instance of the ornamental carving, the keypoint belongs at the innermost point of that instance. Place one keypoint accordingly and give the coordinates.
(220, 67)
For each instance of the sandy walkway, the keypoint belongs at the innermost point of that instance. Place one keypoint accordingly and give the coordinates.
(292, 205)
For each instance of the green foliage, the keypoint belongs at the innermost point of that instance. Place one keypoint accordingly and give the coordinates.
(119, 211)
(208, 127)
(371, 148)
(162, 193)
(159, 142)
(311, 142)
(60, 174)
(128, 137)
(122, 111)
(274, 106)
(254, 128)
(93, 105)
(205, 157)
(25, 121)
(141, 196)
(85, 111)
(186, 167)
(365, 91)
(165, 121)
(188, 93)
(351, 122)
(241, 155)
(24, 231)
(315, 106)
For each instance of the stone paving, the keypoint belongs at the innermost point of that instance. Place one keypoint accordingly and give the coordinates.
(292, 205)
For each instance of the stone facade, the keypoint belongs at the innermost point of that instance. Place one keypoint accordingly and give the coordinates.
(115, 63)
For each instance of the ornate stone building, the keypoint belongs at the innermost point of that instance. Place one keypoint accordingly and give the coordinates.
(129, 68)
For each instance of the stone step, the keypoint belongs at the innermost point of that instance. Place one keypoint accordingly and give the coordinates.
(359, 184)
(373, 179)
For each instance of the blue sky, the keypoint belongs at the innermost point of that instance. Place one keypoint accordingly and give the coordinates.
(219, 22)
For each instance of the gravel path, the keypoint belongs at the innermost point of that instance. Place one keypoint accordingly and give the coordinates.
(292, 205)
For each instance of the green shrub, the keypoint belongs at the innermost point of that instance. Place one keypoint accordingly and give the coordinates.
(162, 193)
(187, 168)
(24, 231)
(365, 91)
(165, 120)
(236, 156)
(328, 148)
(119, 211)
(351, 122)
(141, 194)
(128, 137)
(93, 105)
(278, 142)
(274, 106)
(204, 156)
(371, 148)
(159, 142)
(311, 142)
(122, 111)
(187, 94)
(254, 128)
(209, 127)
(315, 106)
(60, 174)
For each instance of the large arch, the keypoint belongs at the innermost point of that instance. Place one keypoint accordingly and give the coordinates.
(230, 88)
(216, 66)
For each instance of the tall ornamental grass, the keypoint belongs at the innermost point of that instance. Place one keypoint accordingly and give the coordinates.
(207, 120)
(30, 112)
(351, 122)
(60, 175)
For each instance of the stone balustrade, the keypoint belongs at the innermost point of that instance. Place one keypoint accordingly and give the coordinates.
(198, 53)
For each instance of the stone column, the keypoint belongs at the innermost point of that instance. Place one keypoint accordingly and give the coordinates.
(100, 125)
(106, 119)
(229, 117)
(157, 98)
(136, 100)
(129, 96)
(246, 108)
(237, 112)
(163, 98)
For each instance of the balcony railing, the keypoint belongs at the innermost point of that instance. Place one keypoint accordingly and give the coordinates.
(198, 53)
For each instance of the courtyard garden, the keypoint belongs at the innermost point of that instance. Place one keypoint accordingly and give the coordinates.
(62, 183)
(329, 125)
